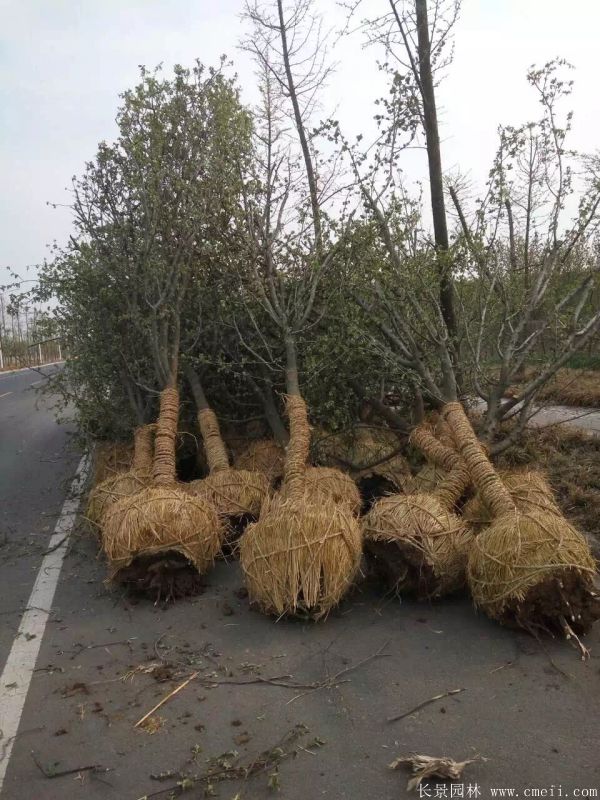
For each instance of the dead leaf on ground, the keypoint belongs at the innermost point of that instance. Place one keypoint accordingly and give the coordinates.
(430, 766)
(153, 724)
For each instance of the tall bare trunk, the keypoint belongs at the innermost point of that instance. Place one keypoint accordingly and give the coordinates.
(438, 207)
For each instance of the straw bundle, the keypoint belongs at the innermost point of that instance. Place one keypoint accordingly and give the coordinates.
(235, 493)
(528, 568)
(263, 455)
(428, 477)
(162, 519)
(111, 458)
(328, 485)
(124, 484)
(300, 558)
(304, 552)
(419, 544)
(529, 490)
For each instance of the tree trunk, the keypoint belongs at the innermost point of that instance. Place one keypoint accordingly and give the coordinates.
(306, 154)
(438, 208)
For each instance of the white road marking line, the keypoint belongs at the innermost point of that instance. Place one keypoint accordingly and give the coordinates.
(35, 383)
(5, 394)
(18, 671)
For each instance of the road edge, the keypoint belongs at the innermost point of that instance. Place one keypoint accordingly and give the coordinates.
(20, 665)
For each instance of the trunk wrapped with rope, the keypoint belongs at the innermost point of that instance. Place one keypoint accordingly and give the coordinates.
(529, 490)
(529, 567)
(304, 552)
(418, 543)
(163, 521)
(124, 484)
(237, 494)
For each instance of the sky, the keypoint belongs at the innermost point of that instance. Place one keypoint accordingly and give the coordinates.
(63, 64)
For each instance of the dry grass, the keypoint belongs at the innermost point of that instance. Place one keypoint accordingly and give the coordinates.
(162, 519)
(428, 478)
(124, 484)
(301, 556)
(364, 451)
(570, 387)
(419, 546)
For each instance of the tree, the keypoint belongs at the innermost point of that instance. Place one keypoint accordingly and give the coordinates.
(152, 214)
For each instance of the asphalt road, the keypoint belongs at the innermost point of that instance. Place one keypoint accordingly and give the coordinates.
(531, 710)
(36, 463)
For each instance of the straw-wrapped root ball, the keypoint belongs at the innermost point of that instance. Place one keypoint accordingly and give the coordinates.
(263, 455)
(328, 485)
(535, 571)
(105, 494)
(418, 547)
(528, 568)
(124, 484)
(237, 494)
(161, 540)
(110, 458)
(529, 490)
(428, 477)
(301, 556)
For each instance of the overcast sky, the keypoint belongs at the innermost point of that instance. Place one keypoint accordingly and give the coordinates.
(63, 64)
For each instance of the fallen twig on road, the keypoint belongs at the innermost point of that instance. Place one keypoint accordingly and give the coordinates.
(423, 704)
(226, 767)
(61, 773)
(166, 698)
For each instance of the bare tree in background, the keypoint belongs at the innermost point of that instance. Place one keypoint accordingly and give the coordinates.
(520, 269)
(533, 247)
(417, 41)
(289, 234)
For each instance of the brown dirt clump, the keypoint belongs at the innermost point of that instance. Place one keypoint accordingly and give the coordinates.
(419, 546)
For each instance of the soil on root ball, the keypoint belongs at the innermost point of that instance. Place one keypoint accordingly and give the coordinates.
(400, 569)
(552, 603)
(163, 577)
(235, 529)
(372, 488)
